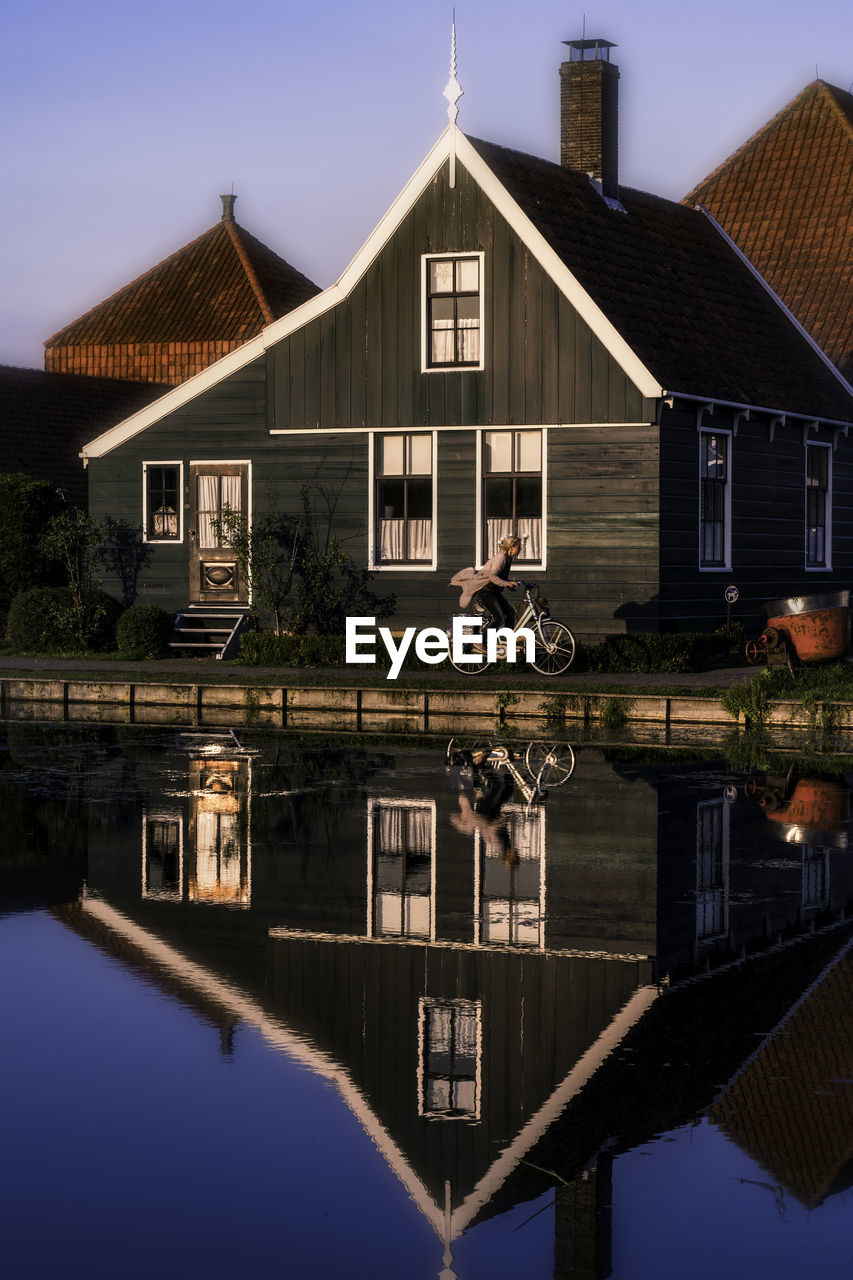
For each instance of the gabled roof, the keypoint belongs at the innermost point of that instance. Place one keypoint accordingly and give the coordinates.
(45, 418)
(225, 286)
(687, 305)
(669, 297)
(786, 198)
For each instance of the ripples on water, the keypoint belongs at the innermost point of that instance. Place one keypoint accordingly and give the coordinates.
(350, 1008)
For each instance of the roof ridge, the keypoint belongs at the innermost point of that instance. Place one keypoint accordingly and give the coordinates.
(830, 91)
(813, 87)
(233, 229)
(132, 284)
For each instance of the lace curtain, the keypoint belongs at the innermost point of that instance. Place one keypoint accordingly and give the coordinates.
(214, 493)
(393, 539)
(529, 528)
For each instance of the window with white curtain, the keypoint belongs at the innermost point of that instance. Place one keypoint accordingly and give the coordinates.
(403, 839)
(454, 305)
(215, 493)
(404, 494)
(513, 492)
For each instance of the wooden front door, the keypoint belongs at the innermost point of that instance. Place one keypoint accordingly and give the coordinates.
(215, 575)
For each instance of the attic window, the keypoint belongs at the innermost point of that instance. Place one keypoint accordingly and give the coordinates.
(453, 311)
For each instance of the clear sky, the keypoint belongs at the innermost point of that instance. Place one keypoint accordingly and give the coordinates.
(123, 121)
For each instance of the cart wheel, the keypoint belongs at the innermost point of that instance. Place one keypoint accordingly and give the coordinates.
(549, 765)
(770, 638)
(754, 651)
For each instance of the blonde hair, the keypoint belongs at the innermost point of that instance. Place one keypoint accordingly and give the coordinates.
(506, 544)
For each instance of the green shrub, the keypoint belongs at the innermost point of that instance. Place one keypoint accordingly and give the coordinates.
(142, 632)
(48, 620)
(263, 649)
(26, 506)
(670, 652)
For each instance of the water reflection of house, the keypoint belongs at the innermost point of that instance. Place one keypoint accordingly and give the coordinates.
(791, 1105)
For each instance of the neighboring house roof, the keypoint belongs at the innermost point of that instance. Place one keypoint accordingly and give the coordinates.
(791, 1107)
(785, 198)
(45, 418)
(218, 291)
(669, 297)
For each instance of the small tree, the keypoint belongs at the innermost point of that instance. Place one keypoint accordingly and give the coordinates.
(26, 506)
(72, 539)
(297, 568)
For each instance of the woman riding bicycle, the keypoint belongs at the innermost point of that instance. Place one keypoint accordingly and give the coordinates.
(485, 587)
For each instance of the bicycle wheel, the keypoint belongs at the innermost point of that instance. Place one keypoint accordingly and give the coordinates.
(558, 653)
(467, 668)
(549, 764)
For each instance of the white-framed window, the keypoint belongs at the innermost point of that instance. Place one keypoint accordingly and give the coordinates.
(712, 870)
(512, 487)
(450, 1039)
(163, 855)
(815, 892)
(452, 332)
(715, 500)
(401, 868)
(510, 879)
(818, 506)
(162, 501)
(403, 500)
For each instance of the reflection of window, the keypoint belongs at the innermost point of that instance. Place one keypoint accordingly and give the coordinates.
(401, 849)
(818, 506)
(815, 876)
(163, 856)
(512, 491)
(220, 868)
(454, 297)
(162, 505)
(404, 498)
(712, 870)
(714, 500)
(512, 880)
(449, 1059)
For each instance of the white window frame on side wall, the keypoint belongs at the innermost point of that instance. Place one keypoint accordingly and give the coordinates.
(525, 567)
(426, 365)
(374, 563)
(165, 542)
(726, 565)
(826, 567)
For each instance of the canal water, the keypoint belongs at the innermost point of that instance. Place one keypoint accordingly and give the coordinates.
(352, 1007)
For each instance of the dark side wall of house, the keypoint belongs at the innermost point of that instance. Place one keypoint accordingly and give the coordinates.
(622, 491)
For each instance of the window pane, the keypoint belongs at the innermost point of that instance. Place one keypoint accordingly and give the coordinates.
(442, 313)
(528, 496)
(420, 455)
(498, 451)
(468, 311)
(390, 455)
(528, 451)
(441, 276)
(391, 499)
(468, 275)
(420, 499)
(498, 495)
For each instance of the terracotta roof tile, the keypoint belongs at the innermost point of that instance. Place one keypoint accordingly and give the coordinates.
(683, 300)
(222, 288)
(786, 198)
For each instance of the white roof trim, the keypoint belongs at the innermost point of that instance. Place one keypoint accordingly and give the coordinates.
(550, 261)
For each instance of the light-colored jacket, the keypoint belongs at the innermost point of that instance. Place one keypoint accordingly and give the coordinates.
(493, 574)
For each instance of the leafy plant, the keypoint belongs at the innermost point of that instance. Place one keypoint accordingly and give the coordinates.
(26, 506)
(142, 632)
(48, 620)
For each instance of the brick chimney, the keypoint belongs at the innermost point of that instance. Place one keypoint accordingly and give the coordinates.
(589, 113)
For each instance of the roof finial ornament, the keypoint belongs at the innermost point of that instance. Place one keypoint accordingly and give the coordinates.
(452, 92)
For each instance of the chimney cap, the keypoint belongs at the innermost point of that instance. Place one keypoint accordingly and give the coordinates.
(590, 50)
(228, 207)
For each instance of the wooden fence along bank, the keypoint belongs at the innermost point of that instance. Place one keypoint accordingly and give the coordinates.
(357, 709)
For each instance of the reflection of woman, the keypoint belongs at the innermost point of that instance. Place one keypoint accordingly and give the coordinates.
(485, 816)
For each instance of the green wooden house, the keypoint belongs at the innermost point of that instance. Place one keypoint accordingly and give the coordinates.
(525, 346)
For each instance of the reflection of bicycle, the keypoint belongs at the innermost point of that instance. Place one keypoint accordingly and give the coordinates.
(546, 764)
(555, 644)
